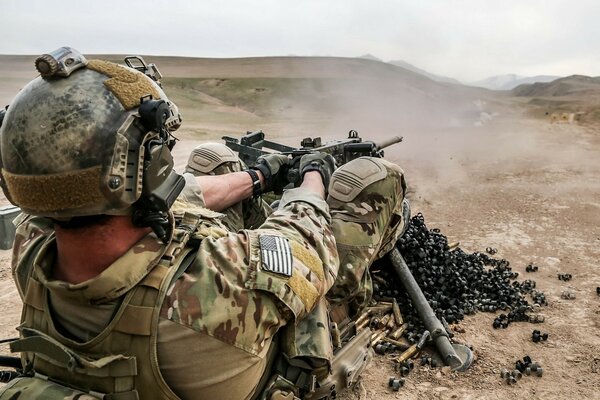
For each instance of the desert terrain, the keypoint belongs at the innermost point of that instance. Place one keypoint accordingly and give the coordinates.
(488, 169)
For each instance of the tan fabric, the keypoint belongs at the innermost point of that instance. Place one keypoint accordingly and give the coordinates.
(351, 179)
(80, 320)
(205, 158)
(126, 84)
(42, 193)
(304, 290)
(191, 194)
(214, 370)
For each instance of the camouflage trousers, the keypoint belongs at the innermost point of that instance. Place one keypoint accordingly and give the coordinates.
(365, 201)
(366, 223)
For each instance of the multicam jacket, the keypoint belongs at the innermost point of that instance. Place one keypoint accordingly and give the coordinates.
(207, 334)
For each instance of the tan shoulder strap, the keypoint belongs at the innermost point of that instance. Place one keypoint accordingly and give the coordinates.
(184, 229)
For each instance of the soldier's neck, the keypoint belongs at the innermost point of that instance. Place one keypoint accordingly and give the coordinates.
(83, 253)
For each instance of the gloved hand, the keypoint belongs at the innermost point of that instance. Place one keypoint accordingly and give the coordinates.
(322, 162)
(274, 168)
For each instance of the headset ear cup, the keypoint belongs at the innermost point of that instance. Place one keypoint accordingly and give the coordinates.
(154, 114)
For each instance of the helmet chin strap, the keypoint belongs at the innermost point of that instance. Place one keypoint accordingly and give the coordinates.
(158, 221)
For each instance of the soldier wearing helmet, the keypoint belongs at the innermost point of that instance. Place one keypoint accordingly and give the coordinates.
(135, 285)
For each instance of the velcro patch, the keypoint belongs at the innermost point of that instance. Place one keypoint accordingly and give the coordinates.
(276, 254)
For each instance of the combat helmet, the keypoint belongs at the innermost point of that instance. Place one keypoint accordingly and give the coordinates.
(90, 138)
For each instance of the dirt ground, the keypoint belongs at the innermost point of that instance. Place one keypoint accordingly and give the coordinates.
(529, 188)
(536, 201)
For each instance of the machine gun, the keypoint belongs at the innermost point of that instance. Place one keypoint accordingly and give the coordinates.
(253, 145)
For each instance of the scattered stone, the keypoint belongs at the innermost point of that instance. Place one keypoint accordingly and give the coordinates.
(536, 318)
(568, 295)
(522, 367)
(396, 383)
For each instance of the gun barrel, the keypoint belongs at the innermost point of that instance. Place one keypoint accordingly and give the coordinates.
(389, 142)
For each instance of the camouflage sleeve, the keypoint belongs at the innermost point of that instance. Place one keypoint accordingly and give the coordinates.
(245, 286)
(300, 225)
(192, 193)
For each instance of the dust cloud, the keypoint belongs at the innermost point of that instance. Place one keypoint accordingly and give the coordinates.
(446, 128)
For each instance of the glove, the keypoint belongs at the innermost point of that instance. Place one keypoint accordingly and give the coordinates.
(322, 162)
(274, 169)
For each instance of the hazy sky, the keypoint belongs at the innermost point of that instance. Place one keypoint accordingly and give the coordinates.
(467, 40)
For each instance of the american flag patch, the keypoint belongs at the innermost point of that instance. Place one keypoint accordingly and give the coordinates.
(276, 254)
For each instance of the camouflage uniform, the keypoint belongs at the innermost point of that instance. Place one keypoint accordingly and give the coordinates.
(366, 226)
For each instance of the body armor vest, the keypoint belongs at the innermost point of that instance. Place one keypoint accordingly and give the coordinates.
(120, 363)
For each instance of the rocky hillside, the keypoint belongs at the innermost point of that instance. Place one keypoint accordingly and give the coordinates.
(574, 85)
(510, 81)
(574, 94)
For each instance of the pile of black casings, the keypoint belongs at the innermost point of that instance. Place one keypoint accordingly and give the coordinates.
(454, 283)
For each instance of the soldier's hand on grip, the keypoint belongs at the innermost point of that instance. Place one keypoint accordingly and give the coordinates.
(274, 169)
(324, 163)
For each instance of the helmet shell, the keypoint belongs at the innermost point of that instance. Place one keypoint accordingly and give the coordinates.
(74, 146)
(61, 125)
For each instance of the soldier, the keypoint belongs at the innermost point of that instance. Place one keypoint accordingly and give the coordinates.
(136, 287)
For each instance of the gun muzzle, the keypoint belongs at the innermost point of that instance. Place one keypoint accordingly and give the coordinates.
(389, 142)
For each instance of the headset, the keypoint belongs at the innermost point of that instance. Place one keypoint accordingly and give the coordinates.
(161, 184)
